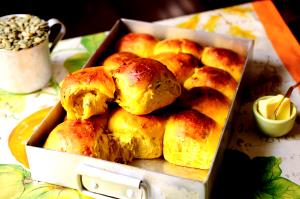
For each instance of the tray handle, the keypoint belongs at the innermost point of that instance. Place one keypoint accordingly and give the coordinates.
(99, 183)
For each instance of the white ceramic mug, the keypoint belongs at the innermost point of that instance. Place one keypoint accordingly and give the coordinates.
(28, 70)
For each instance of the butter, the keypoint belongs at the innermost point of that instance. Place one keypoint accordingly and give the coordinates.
(284, 111)
(266, 107)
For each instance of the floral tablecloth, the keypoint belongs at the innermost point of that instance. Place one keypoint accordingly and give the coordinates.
(254, 165)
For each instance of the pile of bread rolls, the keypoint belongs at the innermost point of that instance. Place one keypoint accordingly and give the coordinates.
(152, 98)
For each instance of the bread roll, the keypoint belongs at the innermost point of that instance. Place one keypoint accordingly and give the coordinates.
(145, 85)
(178, 45)
(191, 139)
(208, 101)
(138, 43)
(182, 65)
(86, 92)
(88, 138)
(116, 60)
(224, 59)
(144, 132)
(214, 78)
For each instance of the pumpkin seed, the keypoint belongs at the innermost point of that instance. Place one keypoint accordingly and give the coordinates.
(21, 32)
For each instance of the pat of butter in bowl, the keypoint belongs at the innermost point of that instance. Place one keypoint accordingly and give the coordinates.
(266, 107)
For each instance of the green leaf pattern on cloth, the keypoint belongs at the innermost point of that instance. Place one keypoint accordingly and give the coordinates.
(90, 43)
(279, 188)
(271, 185)
(267, 168)
(75, 62)
(16, 183)
(12, 181)
(259, 178)
(14, 103)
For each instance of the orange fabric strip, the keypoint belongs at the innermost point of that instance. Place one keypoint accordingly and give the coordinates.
(283, 40)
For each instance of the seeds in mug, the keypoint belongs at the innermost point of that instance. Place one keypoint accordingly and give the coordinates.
(22, 32)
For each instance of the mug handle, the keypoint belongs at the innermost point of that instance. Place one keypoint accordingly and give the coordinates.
(60, 34)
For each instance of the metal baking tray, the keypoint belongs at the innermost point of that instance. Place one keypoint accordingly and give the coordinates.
(142, 178)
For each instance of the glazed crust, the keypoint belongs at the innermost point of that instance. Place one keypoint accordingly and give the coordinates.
(208, 101)
(182, 65)
(224, 59)
(143, 133)
(144, 85)
(116, 60)
(138, 43)
(214, 78)
(191, 139)
(143, 76)
(179, 45)
(86, 92)
(88, 138)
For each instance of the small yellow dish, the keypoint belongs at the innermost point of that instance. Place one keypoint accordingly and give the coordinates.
(270, 127)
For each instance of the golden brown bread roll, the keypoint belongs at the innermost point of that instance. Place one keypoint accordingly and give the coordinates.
(224, 59)
(86, 92)
(178, 45)
(116, 60)
(143, 133)
(144, 85)
(182, 65)
(140, 44)
(87, 137)
(208, 101)
(191, 139)
(214, 78)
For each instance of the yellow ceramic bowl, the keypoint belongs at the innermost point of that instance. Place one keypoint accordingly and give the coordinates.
(273, 128)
